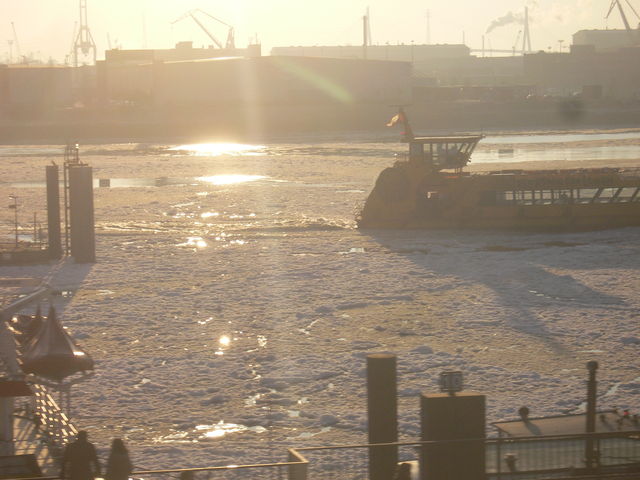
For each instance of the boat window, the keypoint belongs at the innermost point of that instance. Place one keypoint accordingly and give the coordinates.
(532, 197)
(626, 194)
(546, 197)
(523, 197)
(585, 195)
(562, 196)
(606, 195)
(502, 198)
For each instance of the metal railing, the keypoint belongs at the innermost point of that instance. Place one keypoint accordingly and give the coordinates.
(505, 458)
(563, 455)
(264, 471)
(349, 461)
(528, 458)
(55, 425)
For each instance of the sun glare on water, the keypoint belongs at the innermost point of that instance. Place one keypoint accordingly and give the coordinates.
(229, 179)
(217, 149)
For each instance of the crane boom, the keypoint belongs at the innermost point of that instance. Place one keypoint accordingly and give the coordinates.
(230, 43)
(624, 17)
(214, 39)
(15, 40)
(617, 3)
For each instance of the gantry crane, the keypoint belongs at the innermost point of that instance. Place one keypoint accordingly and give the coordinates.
(84, 40)
(230, 43)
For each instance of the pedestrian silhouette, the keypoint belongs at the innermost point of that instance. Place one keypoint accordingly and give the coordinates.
(79, 461)
(119, 465)
(403, 471)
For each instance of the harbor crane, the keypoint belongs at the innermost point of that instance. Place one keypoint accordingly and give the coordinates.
(84, 40)
(617, 3)
(16, 43)
(515, 44)
(230, 42)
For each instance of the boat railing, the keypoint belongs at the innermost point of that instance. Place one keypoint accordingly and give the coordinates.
(625, 171)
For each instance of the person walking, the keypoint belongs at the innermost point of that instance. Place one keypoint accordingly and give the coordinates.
(119, 465)
(79, 460)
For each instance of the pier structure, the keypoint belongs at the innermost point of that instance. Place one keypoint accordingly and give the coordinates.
(78, 207)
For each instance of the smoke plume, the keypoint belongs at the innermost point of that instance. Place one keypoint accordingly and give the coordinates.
(505, 20)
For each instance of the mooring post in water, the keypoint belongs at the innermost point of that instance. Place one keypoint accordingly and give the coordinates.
(53, 212)
(591, 454)
(83, 244)
(382, 410)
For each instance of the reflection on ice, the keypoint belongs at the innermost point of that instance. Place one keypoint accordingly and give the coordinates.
(208, 432)
(217, 149)
(197, 242)
(224, 341)
(221, 428)
(209, 214)
(229, 179)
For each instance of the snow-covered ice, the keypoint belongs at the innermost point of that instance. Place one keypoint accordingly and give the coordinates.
(230, 317)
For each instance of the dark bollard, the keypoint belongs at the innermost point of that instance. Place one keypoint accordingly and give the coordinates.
(591, 455)
(382, 411)
(53, 212)
(457, 424)
(83, 244)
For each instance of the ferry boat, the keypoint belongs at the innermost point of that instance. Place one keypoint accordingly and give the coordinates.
(430, 189)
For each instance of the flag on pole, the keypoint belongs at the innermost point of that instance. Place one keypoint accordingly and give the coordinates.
(401, 118)
(395, 119)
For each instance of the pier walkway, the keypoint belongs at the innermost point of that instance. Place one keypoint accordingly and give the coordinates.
(32, 439)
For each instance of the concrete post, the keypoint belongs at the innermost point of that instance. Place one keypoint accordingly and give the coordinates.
(382, 393)
(53, 212)
(83, 244)
(458, 423)
(591, 455)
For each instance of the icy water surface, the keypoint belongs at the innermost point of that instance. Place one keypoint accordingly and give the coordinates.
(230, 312)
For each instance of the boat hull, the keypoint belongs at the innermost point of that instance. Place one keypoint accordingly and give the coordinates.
(412, 195)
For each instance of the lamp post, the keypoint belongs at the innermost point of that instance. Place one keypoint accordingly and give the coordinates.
(14, 206)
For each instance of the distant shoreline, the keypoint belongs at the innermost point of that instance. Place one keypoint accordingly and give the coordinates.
(270, 123)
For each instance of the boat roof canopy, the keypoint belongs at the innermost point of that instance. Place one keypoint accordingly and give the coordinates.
(447, 139)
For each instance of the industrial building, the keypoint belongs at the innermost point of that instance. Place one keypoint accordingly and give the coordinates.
(610, 74)
(318, 87)
(32, 90)
(257, 81)
(607, 40)
(182, 51)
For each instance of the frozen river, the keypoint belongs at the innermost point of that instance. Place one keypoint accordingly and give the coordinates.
(233, 301)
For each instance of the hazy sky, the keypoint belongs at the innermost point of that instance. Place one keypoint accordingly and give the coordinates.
(45, 27)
